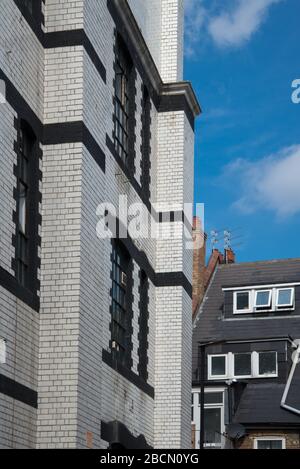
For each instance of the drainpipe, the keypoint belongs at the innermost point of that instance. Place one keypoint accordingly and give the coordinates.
(201, 356)
(290, 378)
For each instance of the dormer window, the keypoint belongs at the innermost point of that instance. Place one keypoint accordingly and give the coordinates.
(275, 298)
(285, 297)
(263, 299)
(243, 301)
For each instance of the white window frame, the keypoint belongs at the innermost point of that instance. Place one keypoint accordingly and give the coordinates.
(267, 306)
(210, 358)
(255, 365)
(273, 304)
(233, 365)
(242, 311)
(229, 366)
(269, 438)
(291, 304)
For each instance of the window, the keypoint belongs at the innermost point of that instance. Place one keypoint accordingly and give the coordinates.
(242, 301)
(217, 366)
(285, 297)
(267, 364)
(123, 66)
(242, 364)
(119, 327)
(23, 190)
(146, 137)
(214, 418)
(269, 443)
(263, 299)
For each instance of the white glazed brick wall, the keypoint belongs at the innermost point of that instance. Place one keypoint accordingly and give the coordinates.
(21, 59)
(21, 56)
(172, 40)
(60, 289)
(19, 325)
(99, 27)
(148, 16)
(63, 84)
(169, 427)
(63, 15)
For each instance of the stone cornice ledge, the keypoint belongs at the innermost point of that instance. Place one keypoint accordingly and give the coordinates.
(144, 58)
(182, 88)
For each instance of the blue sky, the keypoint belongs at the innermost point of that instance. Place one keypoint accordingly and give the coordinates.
(242, 57)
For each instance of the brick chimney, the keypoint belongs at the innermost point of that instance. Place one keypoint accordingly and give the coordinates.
(199, 254)
(229, 256)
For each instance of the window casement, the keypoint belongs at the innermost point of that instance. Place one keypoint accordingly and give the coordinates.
(214, 417)
(265, 364)
(217, 366)
(23, 203)
(120, 333)
(285, 297)
(242, 302)
(264, 300)
(269, 442)
(243, 365)
(123, 70)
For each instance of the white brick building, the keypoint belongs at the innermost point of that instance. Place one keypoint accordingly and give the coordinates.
(95, 334)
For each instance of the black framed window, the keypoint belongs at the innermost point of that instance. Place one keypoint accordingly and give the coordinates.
(123, 69)
(26, 154)
(146, 136)
(120, 333)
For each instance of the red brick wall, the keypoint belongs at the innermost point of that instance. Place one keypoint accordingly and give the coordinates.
(292, 439)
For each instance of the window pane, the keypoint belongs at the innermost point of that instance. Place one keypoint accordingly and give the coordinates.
(218, 366)
(267, 363)
(22, 207)
(212, 426)
(269, 444)
(263, 298)
(213, 398)
(242, 364)
(284, 297)
(242, 300)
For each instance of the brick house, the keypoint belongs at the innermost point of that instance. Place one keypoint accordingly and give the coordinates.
(95, 107)
(246, 357)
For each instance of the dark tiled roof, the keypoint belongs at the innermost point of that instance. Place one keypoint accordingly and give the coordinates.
(209, 325)
(267, 398)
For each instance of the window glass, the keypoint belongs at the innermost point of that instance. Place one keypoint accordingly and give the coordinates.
(218, 366)
(263, 298)
(119, 300)
(269, 444)
(267, 363)
(122, 73)
(212, 426)
(285, 297)
(213, 398)
(242, 364)
(242, 300)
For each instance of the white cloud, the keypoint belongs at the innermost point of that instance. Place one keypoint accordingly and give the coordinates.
(234, 28)
(272, 183)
